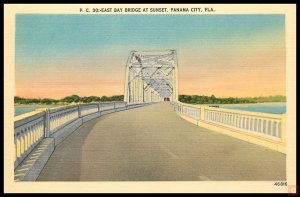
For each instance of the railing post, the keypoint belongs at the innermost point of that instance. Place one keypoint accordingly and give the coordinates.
(47, 123)
(79, 111)
(99, 107)
(202, 112)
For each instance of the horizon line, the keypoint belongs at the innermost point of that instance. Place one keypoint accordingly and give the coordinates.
(123, 95)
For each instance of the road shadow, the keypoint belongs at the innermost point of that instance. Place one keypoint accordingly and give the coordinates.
(65, 162)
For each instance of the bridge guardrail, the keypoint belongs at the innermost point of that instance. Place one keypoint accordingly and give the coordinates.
(28, 132)
(32, 127)
(270, 127)
(61, 116)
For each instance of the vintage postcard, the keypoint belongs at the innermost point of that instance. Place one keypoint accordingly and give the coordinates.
(193, 98)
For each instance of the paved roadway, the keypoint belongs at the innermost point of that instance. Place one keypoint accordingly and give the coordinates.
(154, 144)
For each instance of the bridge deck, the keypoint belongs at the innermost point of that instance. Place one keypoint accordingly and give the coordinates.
(154, 144)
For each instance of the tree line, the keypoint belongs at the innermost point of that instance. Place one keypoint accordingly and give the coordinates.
(192, 99)
(68, 99)
(196, 99)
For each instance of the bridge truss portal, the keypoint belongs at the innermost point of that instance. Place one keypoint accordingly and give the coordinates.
(151, 76)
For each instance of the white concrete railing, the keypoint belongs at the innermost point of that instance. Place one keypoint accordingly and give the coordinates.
(61, 116)
(30, 128)
(190, 111)
(28, 132)
(88, 109)
(263, 124)
(107, 106)
(266, 126)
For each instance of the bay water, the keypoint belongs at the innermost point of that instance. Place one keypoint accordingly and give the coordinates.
(273, 108)
(22, 109)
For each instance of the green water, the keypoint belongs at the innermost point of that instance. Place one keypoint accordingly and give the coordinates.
(273, 108)
(22, 109)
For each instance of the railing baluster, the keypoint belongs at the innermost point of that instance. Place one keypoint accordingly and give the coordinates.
(254, 122)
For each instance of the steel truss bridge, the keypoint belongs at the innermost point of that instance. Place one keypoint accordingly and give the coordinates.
(151, 76)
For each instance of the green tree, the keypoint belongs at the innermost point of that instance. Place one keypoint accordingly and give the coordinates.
(104, 98)
(71, 99)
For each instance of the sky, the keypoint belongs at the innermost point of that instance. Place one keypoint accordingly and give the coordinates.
(225, 55)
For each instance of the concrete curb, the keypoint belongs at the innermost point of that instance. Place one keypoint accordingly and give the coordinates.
(32, 166)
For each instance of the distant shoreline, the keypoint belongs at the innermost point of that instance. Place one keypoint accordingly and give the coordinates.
(34, 104)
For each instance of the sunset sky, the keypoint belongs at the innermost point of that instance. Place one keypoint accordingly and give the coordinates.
(224, 55)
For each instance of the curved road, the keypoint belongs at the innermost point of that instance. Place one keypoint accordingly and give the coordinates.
(154, 144)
